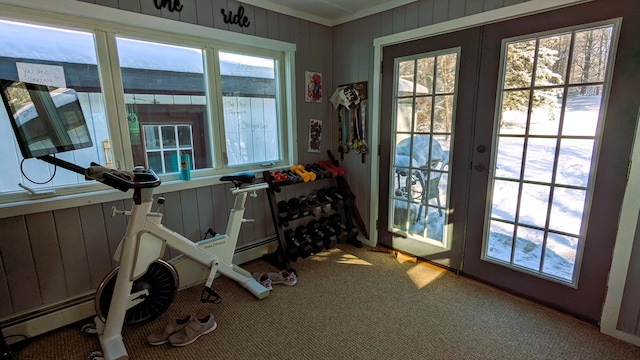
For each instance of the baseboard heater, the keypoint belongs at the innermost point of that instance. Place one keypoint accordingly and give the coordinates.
(34, 322)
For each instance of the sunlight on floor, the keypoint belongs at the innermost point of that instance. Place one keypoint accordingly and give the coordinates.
(339, 257)
(423, 273)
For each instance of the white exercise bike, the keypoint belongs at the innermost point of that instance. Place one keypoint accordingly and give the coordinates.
(143, 285)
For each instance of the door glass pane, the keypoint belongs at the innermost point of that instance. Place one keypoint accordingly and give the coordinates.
(519, 64)
(500, 241)
(513, 115)
(582, 111)
(546, 131)
(420, 167)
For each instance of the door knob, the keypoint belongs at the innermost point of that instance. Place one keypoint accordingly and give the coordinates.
(481, 149)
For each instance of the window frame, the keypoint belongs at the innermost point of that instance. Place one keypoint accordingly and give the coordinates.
(106, 25)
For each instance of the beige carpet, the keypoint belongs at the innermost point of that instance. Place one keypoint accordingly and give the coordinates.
(359, 304)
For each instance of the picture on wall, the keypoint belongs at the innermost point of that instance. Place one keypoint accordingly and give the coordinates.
(314, 87)
(315, 135)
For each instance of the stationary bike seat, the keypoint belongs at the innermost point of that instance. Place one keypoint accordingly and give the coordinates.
(245, 177)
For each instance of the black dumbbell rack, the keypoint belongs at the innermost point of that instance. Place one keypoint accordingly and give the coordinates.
(286, 252)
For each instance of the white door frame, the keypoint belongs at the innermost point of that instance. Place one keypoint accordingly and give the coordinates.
(622, 249)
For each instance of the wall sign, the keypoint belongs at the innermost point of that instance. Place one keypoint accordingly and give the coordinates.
(238, 18)
(171, 5)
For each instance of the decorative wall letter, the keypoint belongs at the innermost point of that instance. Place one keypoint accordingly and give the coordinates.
(171, 5)
(238, 18)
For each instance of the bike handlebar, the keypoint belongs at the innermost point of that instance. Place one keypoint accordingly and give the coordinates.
(123, 180)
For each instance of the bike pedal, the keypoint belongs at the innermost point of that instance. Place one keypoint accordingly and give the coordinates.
(209, 294)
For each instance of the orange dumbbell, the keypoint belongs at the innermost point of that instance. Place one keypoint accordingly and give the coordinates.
(304, 174)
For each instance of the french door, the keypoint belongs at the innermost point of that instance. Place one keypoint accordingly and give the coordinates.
(528, 194)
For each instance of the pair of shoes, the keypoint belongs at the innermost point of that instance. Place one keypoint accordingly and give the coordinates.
(263, 279)
(162, 336)
(283, 277)
(181, 332)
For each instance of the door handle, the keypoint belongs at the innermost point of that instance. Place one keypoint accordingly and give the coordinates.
(481, 167)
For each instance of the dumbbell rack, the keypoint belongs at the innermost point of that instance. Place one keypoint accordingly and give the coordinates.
(281, 258)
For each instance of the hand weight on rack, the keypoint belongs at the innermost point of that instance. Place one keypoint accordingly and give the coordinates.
(305, 175)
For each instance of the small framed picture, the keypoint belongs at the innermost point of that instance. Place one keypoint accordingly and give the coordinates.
(314, 87)
(315, 135)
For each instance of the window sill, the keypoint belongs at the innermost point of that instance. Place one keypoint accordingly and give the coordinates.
(27, 206)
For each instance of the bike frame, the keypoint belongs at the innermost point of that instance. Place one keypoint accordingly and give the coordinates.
(145, 241)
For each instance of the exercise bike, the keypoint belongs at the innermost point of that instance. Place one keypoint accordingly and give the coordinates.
(143, 285)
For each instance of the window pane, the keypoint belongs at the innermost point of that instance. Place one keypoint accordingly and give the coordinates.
(519, 64)
(446, 76)
(553, 56)
(164, 85)
(406, 84)
(61, 58)
(249, 104)
(539, 160)
(590, 55)
(513, 117)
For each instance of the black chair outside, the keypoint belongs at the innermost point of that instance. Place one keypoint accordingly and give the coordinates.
(423, 184)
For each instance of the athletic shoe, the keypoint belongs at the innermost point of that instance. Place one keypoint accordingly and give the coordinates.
(283, 277)
(194, 329)
(162, 336)
(263, 279)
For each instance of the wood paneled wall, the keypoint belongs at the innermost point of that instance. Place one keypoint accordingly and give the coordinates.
(50, 256)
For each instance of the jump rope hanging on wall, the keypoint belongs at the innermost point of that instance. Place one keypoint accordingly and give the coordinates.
(351, 102)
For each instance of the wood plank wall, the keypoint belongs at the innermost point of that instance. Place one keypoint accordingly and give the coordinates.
(50, 256)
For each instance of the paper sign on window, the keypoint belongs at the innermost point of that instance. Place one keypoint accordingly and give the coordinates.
(50, 75)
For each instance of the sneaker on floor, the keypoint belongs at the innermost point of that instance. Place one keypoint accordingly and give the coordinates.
(193, 330)
(263, 279)
(283, 277)
(162, 336)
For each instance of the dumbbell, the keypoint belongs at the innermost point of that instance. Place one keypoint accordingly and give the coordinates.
(292, 244)
(324, 200)
(292, 176)
(325, 239)
(305, 209)
(305, 249)
(293, 206)
(278, 176)
(320, 174)
(330, 234)
(304, 174)
(348, 233)
(283, 213)
(316, 236)
(341, 230)
(335, 170)
(316, 207)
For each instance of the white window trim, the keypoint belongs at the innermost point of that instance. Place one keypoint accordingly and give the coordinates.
(105, 22)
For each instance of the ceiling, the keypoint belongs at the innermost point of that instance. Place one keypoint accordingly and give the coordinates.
(328, 12)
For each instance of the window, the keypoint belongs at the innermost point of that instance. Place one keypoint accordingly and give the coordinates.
(165, 144)
(170, 94)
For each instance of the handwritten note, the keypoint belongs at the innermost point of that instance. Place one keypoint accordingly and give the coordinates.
(51, 75)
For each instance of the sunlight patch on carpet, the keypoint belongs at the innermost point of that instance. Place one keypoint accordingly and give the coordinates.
(423, 276)
(339, 257)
